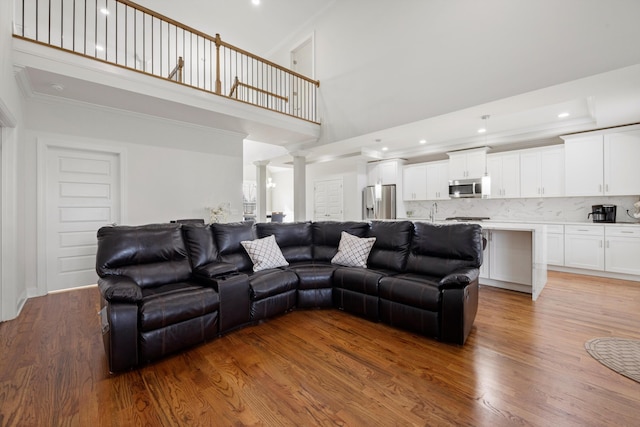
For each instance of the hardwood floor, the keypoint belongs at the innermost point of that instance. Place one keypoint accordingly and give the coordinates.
(524, 364)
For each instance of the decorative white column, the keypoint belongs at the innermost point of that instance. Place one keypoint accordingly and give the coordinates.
(299, 185)
(261, 190)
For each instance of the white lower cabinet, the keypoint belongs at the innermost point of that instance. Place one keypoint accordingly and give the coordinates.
(507, 257)
(555, 244)
(622, 250)
(584, 246)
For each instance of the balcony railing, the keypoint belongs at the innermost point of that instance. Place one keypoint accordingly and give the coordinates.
(128, 35)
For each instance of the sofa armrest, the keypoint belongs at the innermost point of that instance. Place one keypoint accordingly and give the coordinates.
(119, 289)
(214, 269)
(459, 278)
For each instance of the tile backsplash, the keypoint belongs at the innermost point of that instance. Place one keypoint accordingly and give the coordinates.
(563, 209)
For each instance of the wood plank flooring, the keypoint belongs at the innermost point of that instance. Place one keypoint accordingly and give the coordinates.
(524, 364)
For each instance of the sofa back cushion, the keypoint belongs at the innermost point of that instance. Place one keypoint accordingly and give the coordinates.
(326, 237)
(227, 238)
(200, 244)
(294, 239)
(440, 249)
(393, 241)
(151, 255)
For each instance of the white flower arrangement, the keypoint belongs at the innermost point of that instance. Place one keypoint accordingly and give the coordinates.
(219, 213)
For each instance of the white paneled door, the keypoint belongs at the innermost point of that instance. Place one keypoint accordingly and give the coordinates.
(328, 200)
(82, 194)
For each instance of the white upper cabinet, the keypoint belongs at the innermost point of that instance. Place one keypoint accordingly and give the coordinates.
(602, 163)
(541, 172)
(621, 156)
(438, 180)
(385, 172)
(583, 166)
(415, 182)
(467, 164)
(504, 170)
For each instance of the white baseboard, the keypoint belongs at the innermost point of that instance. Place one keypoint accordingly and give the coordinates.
(597, 273)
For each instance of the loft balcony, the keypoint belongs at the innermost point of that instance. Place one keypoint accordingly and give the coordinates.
(104, 53)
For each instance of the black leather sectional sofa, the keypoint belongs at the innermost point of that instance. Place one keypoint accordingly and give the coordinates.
(165, 287)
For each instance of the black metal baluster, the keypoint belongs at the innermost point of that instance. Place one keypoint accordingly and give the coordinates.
(61, 23)
(73, 41)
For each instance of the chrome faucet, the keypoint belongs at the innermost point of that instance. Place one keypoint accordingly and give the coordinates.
(433, 211)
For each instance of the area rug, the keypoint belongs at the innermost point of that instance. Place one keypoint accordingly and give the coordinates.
(620, 354)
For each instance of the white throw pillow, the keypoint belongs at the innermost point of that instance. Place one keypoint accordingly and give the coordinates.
(353, 251)
(264, 253)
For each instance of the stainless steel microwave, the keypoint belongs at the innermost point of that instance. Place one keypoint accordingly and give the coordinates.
(465, 188)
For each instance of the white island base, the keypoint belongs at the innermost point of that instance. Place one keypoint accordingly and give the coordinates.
(515, 257)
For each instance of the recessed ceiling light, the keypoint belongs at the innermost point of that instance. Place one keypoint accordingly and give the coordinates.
(563, 115)
(385, 148)
(482, 130)
(104, 11)
(255, 2)
(57, 87)
(423, 141)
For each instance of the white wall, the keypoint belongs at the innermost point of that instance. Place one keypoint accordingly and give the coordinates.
(382, 64)
(173, 170)
(12, 282)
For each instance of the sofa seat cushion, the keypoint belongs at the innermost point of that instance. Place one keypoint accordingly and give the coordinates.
(417, 292)
(313, 275)
(360, 280)
(267, 283)
(176, 302)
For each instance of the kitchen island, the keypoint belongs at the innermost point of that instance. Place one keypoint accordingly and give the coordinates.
(515, 257)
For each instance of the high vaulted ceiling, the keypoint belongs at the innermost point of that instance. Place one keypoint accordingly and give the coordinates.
(259, 29)
(394, 73)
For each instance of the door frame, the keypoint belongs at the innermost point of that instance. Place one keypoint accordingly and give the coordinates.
(44, 146)
(310, 39)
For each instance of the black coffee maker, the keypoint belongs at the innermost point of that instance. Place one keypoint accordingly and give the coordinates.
(603, 213)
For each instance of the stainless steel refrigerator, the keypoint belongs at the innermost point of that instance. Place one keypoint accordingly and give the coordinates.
(379, 202)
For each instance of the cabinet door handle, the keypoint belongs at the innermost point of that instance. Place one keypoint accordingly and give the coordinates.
(607, 244)
(600, 243)
(606, 188)
(542, 190)
(627, 232)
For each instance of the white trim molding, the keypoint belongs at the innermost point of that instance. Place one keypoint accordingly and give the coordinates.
(10, 302)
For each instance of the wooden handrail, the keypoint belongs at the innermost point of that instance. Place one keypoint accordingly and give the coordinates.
(217, 40)
(212, 72)
(165, 18)
(237, 83)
